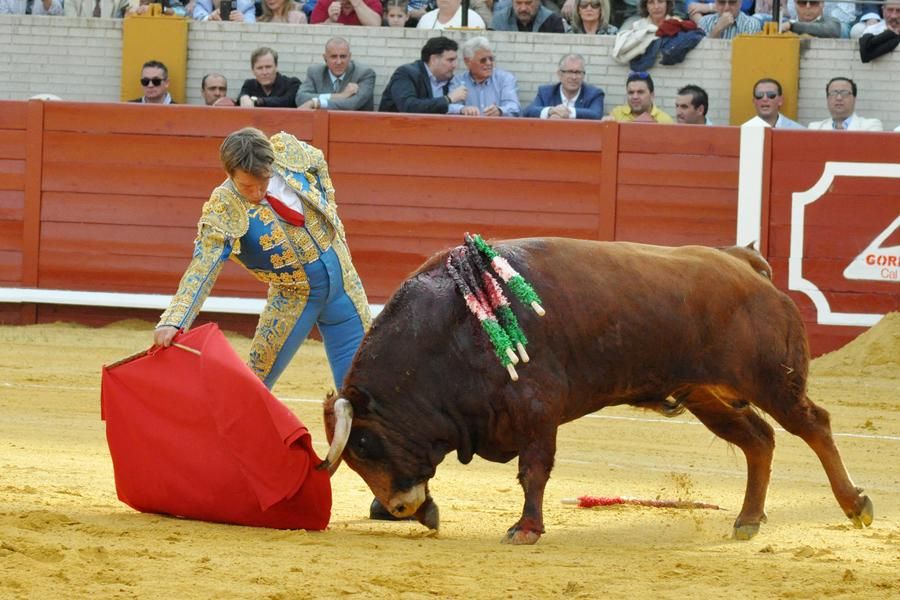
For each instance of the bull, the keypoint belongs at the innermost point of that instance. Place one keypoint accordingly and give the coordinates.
(669, 329)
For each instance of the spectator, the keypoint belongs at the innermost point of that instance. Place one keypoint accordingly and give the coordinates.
(728, 21)
(768, 99)
(635, 38)
(640, 108)
(155, 81)
(868, 23)
(396, 13)
(347, 12)
(571, 98)
(282, 188)
(528, 15)
(592, 17)
(492, 92)
(840, 93)
(243, 11)
(39, 7)
(268, 88)
(692, 106)
(340, 83)
(883, 37)
(697, 10)
(90, 8)
(449, 14)
(214, 89)
(812, 21)
(424, 86)
(282, 11)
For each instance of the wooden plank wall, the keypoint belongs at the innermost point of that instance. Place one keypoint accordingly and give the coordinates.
(410, 186)
(676, 189)
(12, 198)
(838, 227)
(115, 191)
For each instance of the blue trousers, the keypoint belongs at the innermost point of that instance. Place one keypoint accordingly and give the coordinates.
(291, 317)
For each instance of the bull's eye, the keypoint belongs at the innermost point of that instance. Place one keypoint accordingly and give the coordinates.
(365, 444)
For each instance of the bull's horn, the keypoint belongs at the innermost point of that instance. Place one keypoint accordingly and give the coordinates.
(343, 415)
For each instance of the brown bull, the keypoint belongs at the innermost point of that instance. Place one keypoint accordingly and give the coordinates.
(653, 327)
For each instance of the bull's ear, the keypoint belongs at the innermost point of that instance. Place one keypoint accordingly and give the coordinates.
(751, 245)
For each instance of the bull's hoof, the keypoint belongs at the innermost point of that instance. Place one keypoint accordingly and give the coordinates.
(428, 514)
(377, 512)
(521, 537)
(745, 532)
(865, 516)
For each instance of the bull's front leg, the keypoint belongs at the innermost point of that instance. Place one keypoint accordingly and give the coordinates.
(535, 464)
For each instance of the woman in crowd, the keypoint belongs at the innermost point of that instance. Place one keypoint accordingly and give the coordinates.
(634, 39)
(282, 11)
(449, 14)
(592, 17)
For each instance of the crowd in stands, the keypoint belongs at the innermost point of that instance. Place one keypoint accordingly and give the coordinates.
(715, 18)
(649, 29)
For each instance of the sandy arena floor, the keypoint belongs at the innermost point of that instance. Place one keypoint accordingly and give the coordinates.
(64, 534)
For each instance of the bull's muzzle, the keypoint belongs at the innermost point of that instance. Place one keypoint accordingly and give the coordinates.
(405, 504)
(343, 416)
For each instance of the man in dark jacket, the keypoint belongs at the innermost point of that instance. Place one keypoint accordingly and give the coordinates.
(884, 37)
(268, 88)
(424, 86)
(571, 98)
(527, 15)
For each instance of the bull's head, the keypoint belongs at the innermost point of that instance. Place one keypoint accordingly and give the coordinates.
(397, 477)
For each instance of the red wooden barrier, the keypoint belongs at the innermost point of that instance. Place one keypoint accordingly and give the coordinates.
(105, 197)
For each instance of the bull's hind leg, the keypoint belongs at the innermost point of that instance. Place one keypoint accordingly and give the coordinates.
(747, 430)
(808, 421)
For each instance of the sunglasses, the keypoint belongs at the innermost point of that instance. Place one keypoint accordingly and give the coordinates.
(156, 81)
(769, 95)
(808, 3)
(639, 74)
(840, 93)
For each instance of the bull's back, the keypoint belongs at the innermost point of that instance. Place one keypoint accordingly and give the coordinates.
(626, 320)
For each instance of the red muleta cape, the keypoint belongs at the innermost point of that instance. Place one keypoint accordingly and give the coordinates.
(201, 437)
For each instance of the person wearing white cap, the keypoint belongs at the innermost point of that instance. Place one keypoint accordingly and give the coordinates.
(881, 38)
(868, 23)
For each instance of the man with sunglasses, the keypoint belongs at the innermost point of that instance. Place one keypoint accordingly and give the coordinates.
(768, 99)
(492, 92)
(840, 93)
(155, 83)
(728, 21)
(811, 20)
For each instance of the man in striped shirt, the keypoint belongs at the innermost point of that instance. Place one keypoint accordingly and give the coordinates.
(728, 21)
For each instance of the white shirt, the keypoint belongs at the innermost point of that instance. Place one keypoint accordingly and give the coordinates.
(279, 188)
(429, 20)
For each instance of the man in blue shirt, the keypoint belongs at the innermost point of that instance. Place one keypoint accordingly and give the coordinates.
(492, 92)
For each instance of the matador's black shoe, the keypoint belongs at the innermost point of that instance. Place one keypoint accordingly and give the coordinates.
(377, 512)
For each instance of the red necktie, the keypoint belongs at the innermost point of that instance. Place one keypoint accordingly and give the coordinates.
(287, 214)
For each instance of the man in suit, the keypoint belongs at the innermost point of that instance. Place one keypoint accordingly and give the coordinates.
(840, 94)
(339, 84)
(427, 85)
(571, 98)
